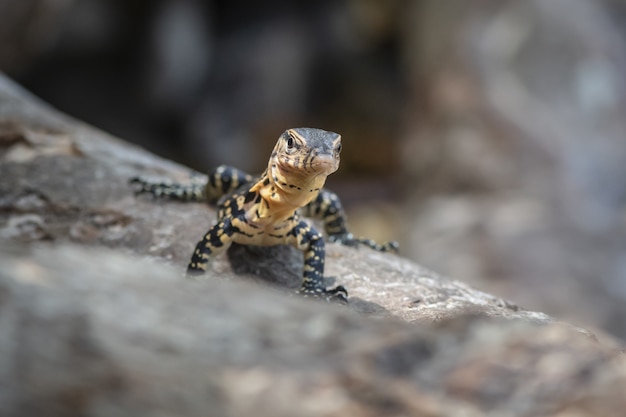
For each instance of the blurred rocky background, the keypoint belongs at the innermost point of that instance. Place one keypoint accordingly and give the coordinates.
(488, 136)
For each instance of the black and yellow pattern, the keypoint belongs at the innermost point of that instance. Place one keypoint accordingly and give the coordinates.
(266, 210)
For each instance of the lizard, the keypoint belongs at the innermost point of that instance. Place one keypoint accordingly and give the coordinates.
(267, 210)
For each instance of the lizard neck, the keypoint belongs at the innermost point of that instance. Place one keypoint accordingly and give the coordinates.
(282, 192)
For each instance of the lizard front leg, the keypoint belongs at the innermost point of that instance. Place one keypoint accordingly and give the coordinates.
(311, 242)
(215, 241)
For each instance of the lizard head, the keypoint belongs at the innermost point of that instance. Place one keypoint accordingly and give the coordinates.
(298, 167)
(305, 153)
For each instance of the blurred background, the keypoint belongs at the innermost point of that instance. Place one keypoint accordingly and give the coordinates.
(489, 137)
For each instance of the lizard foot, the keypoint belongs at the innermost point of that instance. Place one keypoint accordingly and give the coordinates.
(338, 293)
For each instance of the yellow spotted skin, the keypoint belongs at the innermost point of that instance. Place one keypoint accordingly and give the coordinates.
(266, 210)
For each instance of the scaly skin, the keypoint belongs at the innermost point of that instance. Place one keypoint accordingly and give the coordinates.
(266, 211)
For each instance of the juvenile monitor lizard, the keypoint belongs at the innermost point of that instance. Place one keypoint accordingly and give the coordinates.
(267, 210)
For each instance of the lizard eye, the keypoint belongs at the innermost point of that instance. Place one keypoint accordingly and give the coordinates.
(289, 142)
(338, 149)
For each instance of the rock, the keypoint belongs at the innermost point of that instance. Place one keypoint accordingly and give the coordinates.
(94, 332)
(96, 319)
(62, 181)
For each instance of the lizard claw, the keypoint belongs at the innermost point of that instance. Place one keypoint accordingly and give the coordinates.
(391, 246)
(338, 293)
(143, 186)
(138, 184)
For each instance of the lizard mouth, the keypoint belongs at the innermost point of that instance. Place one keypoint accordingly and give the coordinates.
(297, 180)
(323, 164)
(310, 166)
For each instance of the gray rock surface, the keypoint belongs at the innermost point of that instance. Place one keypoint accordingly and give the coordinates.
(94, 332)
(97, 320)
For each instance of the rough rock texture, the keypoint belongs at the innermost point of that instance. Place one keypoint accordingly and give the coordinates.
(94, 332)
(114, 329)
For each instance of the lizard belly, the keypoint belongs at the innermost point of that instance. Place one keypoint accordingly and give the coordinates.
(261, 232)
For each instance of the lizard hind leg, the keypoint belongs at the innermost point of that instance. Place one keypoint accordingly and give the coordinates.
(348, 239)
(194, 191)
(311, 241)
(221, 181)
(328, 208)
